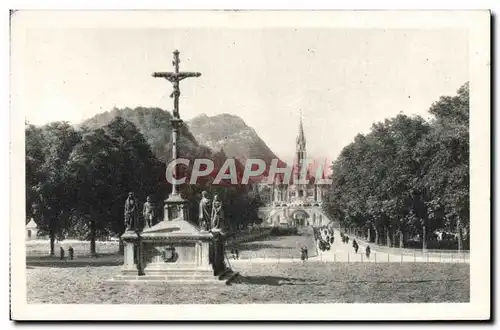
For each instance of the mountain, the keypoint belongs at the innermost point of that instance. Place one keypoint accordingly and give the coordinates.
(217, 138)
(232, 135)
(154, 124)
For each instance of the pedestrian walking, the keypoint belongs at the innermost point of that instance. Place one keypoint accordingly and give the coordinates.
(368, 251)
(355, 246)
(61, 252)
(71, 252)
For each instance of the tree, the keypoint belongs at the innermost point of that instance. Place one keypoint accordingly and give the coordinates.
(108, 163)
(47, 152)
(35, 158)
(138, 171)
(447, 155)
(406, 175)
(91, 170)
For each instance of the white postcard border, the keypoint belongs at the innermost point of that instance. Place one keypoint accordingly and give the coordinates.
(478, 24)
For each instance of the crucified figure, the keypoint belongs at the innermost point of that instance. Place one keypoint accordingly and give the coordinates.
(175, 77)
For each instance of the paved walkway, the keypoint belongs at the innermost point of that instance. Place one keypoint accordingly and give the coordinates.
(340, 252)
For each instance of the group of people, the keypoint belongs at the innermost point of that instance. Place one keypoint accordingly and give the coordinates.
(317, 234)
(355, 246)
(345, 238)
(324, 237)
(62, 253)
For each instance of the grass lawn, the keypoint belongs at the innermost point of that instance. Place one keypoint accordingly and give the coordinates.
(278, 246)
(81, 248)
(311, 282)
(112, 259)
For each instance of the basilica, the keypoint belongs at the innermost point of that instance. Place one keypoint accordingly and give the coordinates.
(296, 202)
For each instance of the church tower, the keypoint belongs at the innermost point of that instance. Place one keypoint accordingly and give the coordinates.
(300, 148)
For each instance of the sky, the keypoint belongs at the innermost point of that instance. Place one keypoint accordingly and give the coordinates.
(341, 80)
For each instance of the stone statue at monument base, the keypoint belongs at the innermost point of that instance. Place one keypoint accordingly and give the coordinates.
(204, 217)
(148, 213)
(217, 218)
(131, 213)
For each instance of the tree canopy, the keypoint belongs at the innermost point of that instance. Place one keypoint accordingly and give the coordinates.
(77, 180)
(407, 176)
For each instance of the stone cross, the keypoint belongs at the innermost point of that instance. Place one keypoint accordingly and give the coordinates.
(175, 77)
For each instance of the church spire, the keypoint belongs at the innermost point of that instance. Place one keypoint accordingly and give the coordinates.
(300, 148)
(301, 139)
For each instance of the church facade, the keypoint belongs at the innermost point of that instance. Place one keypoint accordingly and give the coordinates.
(294, 203)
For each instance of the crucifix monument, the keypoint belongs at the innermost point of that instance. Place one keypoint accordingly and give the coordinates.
(175, 205)
(175, 250)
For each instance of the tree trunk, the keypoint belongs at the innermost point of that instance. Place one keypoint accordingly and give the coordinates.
(401, 239)
(376, 235)
(52, 236)
(424, 237)
(460, 239)
(368, 235)
(388, 235)
(393, 239)
(52, 240)
(92, 236)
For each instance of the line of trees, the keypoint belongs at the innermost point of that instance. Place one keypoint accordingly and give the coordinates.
(77, 181)
(407, 178)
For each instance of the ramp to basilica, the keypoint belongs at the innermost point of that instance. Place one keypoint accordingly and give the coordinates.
(278, 245)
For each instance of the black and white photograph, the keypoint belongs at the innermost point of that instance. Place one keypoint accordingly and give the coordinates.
(255, 164)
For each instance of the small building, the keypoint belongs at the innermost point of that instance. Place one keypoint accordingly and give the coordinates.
(31, 230)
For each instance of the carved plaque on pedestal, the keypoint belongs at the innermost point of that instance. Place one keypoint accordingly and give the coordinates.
(168, 253)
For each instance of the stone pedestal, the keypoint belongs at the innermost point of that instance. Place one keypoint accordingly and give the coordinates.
(130, 254)
(176, 208)
(171, 251)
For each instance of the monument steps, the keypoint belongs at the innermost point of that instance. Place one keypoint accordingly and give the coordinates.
(159, 270)
(163, 279)
(184, 273)
(178, 277)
